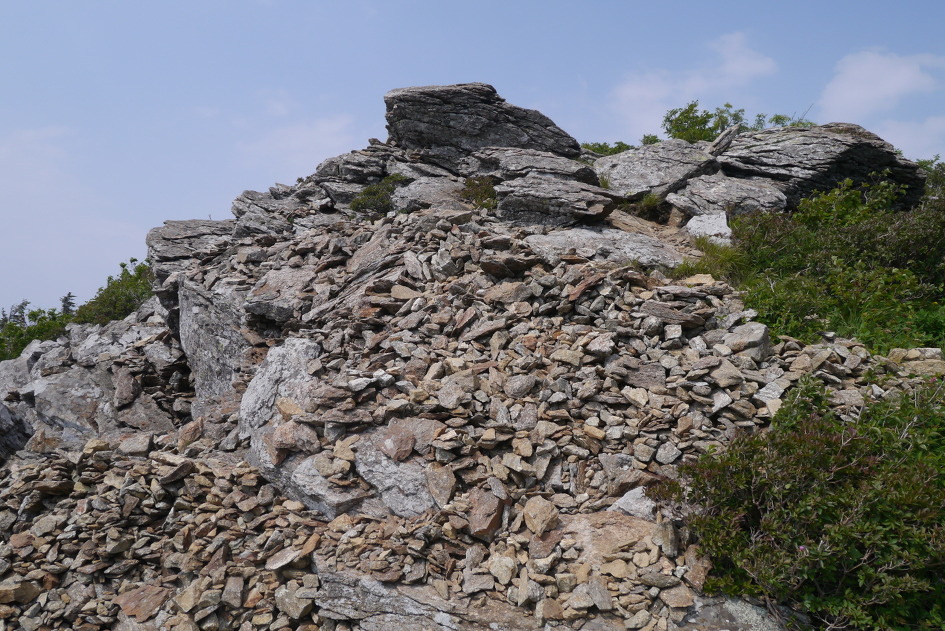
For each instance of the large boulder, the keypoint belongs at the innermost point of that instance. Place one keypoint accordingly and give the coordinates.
(657, 169)
(802, 160)
(604, 245)
(446, 123)
(719, 194)
(508, 163)
(540, 199)
(177, 244)
(212, 333)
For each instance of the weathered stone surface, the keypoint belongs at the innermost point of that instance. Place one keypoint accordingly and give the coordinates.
(657, 169)
(174, 246)
(209, 332)
(262, 213)
(715, 227)
(717, 194)
(540, 515)
(635, 503)
(508, 163)
(444, 123)
(401, 485)
(729, 613)
(142, 603)
(603, 244)
(802, 160)
(549, 201)
(427, 192)
(429, 392)
(13, 433)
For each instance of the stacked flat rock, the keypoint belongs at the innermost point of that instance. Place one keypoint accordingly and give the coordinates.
(446, 417)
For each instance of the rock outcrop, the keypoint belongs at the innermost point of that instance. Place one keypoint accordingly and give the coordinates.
(802, 160)
(443, 417)
(444, 124)
(657, 169)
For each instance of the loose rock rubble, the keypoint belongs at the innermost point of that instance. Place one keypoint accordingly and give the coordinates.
(446, 417)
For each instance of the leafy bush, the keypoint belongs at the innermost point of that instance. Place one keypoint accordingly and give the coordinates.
(376, 197)
(480, 192)
(37, 324)
(605, 148)
(935, 184)
(692, 124)
(845, 262)
(845, 521)
(120, 296)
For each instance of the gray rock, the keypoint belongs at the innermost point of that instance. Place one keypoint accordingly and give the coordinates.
(603, 244)
(379, 607)
(13, 433)
(549, 201)
(732, 614)
(635, 503)
(445, 123)
(713, 226)
(426, 192)
(278, 295)
(717, 194)
(802, 160)
(261, 213)
(402, 486)
(209, 331)
(657, 169)
(363, 167)
(174, 246)
(508, 163)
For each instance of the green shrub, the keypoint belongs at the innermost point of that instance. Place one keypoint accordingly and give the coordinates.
(723, 262)
(844, 262)
(38, 324)
(376, 197)
(120, 296)
(480, 192)
(605, 148)
(692, 124)
(935, 183)
(843, 520)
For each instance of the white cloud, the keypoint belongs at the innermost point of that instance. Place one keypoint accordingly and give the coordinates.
(642, 99)
(296, 149)
(871, 82)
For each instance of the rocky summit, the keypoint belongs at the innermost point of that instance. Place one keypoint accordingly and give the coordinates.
(441, 415)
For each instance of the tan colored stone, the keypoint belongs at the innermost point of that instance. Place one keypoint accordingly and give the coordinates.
(679, 596)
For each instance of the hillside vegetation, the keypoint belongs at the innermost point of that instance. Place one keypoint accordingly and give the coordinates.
(121, 295)
(843, 522)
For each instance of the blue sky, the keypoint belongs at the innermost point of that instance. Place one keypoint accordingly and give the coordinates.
(118, 115)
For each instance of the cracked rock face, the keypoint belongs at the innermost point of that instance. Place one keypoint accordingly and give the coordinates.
(802, 160)
(717, 194)
(446, 123)
(657, 169)
(444, 417)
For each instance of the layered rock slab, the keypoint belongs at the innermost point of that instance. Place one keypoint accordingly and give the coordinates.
(657, 169)
(446, 123)
(800, 161)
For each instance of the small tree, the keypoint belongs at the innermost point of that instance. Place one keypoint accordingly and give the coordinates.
(691, 124)
(67, 304)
